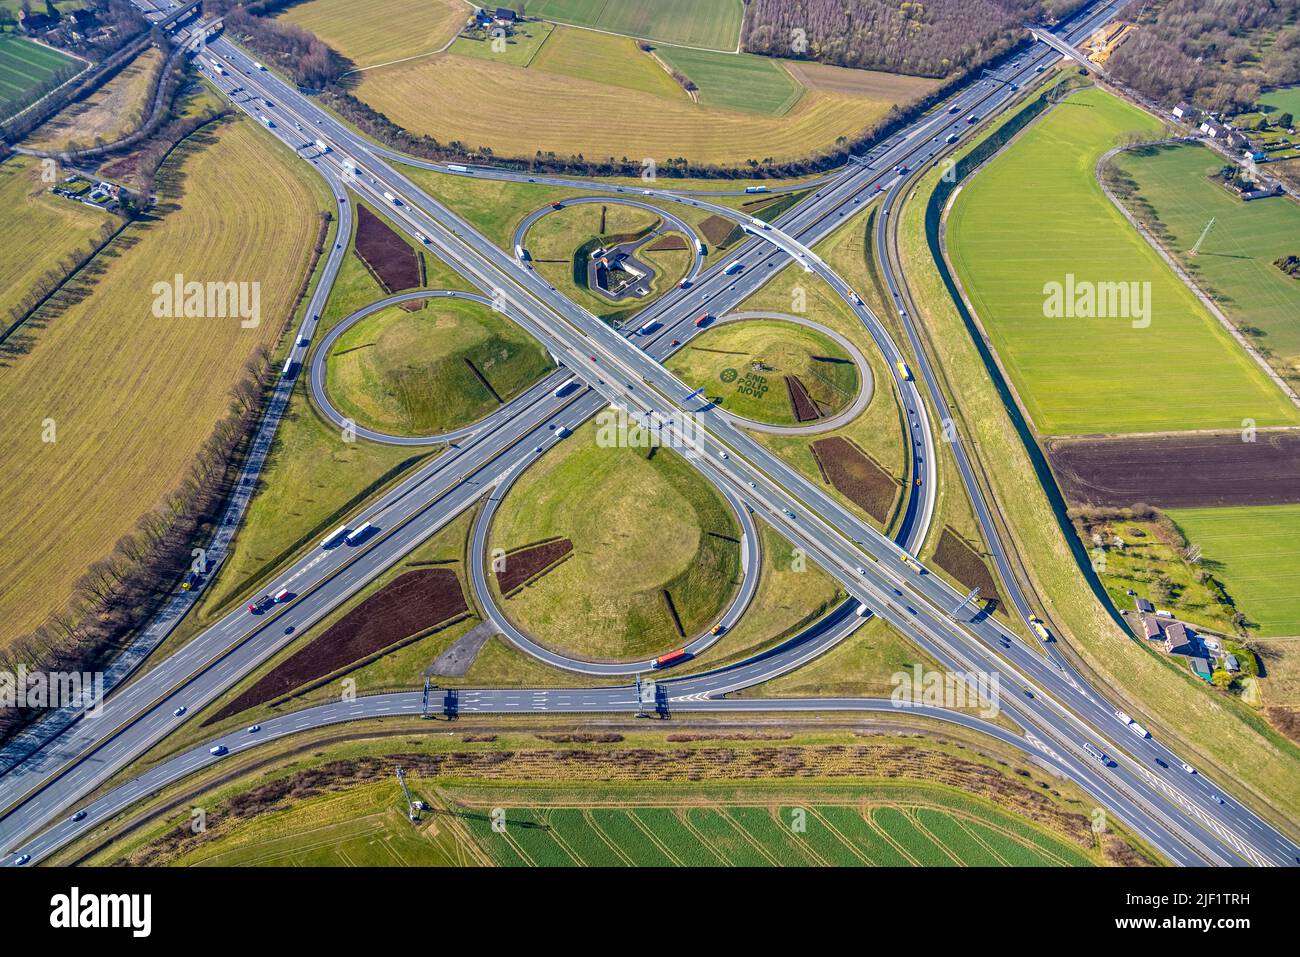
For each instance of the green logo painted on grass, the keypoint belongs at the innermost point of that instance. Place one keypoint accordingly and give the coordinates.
(728, 375)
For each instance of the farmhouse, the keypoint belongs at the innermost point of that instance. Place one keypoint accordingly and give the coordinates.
(1183, 111)
(505, 15)
(1179, 642)
(33, 23)
(1213, 129)
(1262, 192)
(1150, 629)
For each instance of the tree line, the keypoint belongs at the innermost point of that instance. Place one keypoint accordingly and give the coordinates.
(324, 73)
(1215, 54)
(120, 591)
(938, 38)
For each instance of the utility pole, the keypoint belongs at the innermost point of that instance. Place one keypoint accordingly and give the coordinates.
(412, 808)
(1204, 232)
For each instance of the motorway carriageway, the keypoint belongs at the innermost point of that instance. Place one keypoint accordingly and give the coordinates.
(477, 254)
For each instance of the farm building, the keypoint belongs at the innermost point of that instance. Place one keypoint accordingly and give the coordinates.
(1201, 668)
(1150, 629)
(1214, 130)
(1179, 642)
(1145, 607)
(1230, 663)
(1183, 111)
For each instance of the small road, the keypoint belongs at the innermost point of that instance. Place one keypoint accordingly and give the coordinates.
(320, 394)
(841, 418)
(750, 562)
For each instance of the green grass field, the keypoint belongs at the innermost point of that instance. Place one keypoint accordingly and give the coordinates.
(698, 23)
(24, 66)
(1143, 560)
(1036, 215)
(1283, 100)
(519, 49)
(1243, 746)
(1254, 552)
(742, 365)
(659, 528)
(409, 373)
(364, 826)
(614, 60)
(1235, 259)
(736, 81)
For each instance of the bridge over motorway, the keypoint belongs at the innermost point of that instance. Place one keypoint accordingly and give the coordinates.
(1056, 42)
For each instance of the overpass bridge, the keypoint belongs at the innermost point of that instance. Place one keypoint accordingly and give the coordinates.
(1058, 44)
(182, 12)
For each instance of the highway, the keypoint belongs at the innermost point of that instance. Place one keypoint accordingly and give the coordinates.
(409, 704)
(486, 263)
(873, 568)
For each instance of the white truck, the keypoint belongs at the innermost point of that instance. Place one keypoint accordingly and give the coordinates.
(358, 533)
(734, 268)
(270, 123)
(457, 168)
(258, 66)
(391, 198)
(756, 189)
(862, 611)
(649, 327)
(1140, 731)
(322, 146)
(521, 253)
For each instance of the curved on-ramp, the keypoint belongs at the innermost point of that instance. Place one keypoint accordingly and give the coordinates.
(750, 555)
(866, 382)
(320, 395)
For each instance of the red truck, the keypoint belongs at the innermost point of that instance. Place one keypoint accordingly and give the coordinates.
(703, 320)
(663, 661)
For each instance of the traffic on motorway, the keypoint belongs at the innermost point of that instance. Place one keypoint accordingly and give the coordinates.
(1066, 723)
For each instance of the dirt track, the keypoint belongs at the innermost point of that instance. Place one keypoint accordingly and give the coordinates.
(1179, 471)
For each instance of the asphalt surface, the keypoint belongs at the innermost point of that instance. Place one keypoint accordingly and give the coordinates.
(1170, 811)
